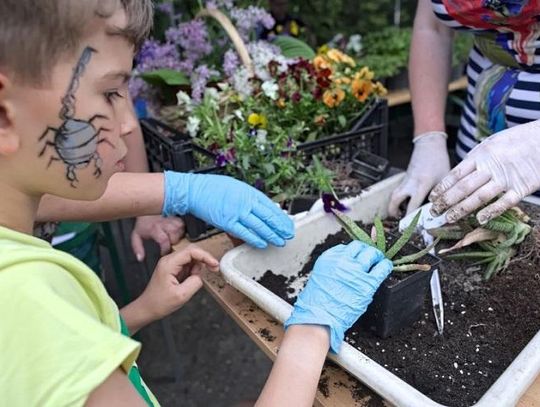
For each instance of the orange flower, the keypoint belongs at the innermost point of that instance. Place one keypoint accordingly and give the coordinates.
(333, 97)
(348, 60)
(343, 80)
(320, 63)
(320, 120)
(364, 73)
(335, 55)
(379, 89)
(280, 103)
(361, 89)
(339, 57)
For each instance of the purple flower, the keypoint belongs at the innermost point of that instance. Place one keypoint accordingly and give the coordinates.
(330, 201)
(248, 19)
(230, 63)
(259, 184)
(220, 4)
(154, 55)
(226, 157)
(166, 7)
(192, 41)
(199, 80)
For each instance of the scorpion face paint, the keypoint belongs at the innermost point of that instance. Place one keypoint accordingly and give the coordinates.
(75, 142)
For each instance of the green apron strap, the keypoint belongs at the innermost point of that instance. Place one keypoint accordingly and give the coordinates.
(134, 375)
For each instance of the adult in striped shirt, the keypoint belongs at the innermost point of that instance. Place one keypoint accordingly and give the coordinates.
(503, 101)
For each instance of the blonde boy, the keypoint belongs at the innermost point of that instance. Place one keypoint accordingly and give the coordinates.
(64, 111)
(64, 67)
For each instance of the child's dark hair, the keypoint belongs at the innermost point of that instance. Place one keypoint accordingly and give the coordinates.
(35, 34)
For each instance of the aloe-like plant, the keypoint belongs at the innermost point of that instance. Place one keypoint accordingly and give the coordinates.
(378, 240)
(496, 240)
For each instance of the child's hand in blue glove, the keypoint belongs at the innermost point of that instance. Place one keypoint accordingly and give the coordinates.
(340, 288)
(229, 205)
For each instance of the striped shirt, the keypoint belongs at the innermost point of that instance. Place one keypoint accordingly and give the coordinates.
(501, 92)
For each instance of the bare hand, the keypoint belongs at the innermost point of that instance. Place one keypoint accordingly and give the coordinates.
(176, 278)
(164, 231)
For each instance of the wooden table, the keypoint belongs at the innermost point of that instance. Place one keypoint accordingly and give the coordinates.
(403, 96)
(337, 387)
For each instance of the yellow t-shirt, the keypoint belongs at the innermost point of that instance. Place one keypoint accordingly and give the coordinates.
(60, 332)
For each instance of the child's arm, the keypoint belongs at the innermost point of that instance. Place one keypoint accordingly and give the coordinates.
(117, 391)
(164, 231)
(341, 286)
(224, 202)
(175, 280)
(294, 377)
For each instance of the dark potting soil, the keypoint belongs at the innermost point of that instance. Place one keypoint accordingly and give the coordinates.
(486, 324)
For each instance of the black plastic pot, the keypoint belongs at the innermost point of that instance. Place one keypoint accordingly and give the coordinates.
(302, 203)
(399, 303)
(369, 166)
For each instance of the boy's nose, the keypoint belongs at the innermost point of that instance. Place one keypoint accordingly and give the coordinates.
(129, 123)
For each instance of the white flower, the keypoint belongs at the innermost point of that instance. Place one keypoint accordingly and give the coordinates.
(211, 93)
(270, 89)
(241, 82)
(238, 113)
(355, 44)
(184, 100)
(260, 138)
(193, 125)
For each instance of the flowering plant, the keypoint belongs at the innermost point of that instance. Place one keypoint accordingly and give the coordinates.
(192, 51)
(254, 127)
(248, 145)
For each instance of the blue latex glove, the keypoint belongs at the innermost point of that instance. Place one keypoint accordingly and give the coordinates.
(229, 205)
(340, 288)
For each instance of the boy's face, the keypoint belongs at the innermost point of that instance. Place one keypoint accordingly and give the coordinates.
(70, 132)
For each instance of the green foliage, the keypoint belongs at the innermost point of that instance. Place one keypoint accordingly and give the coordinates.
(386, 52)
(293, 48)
(164, 77)
(495, 250)
(325, 18)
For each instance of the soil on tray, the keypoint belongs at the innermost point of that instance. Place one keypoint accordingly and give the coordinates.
(486, 324)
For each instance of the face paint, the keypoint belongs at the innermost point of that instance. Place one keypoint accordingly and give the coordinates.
(76, 140)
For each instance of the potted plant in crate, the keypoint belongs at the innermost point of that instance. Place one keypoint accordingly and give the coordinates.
(400, 299)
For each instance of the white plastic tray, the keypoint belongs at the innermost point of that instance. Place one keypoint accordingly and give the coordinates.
(241, 265)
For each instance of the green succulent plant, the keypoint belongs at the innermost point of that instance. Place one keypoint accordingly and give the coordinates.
(378, 240)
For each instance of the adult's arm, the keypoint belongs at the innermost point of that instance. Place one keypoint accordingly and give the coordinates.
(429, 70)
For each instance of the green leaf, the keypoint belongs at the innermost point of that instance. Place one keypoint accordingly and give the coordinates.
(381, 238)
(269, 168)
(415, 256)
(342, 120)
(354, 231)
(165, 77)
(293, 47)
(404, 238)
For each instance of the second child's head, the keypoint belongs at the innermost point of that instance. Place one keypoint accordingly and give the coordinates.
(64, 103)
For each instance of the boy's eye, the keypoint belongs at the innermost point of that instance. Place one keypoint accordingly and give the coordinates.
(112, 95)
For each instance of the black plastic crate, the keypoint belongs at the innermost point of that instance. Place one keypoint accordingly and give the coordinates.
(168, 149)
(369, 133)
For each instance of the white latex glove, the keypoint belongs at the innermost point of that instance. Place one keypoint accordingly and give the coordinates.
(506, 163)
(429, 164)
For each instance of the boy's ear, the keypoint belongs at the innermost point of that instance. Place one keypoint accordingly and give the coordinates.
(9, 140)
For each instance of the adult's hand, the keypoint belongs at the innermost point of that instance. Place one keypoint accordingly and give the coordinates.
(228, 204)
(429, 164)
(505, 166)
(340, 288)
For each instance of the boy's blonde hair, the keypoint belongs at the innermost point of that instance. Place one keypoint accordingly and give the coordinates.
(35, 34)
